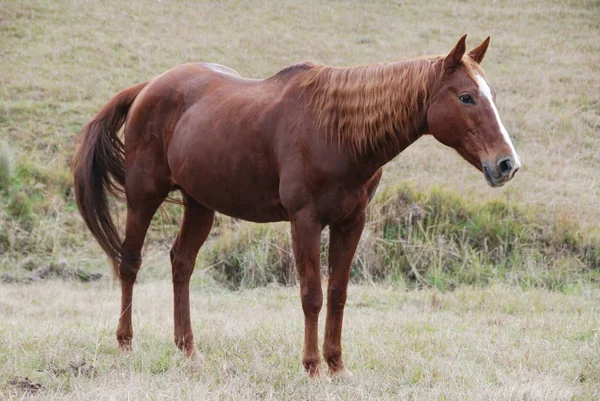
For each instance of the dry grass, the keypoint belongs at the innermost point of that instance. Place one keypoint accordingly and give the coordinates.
(471, 344)
(61, 61)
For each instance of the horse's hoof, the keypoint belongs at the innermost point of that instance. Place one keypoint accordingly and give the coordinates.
(341, 375)
(187, 347)
(125, 346)
(193, 364)
(318, 374)
(190, 353)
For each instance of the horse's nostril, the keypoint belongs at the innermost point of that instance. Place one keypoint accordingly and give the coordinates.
(505, 167)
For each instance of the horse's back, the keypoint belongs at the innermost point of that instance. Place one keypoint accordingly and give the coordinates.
(159, 107)
(221, 69)
(215, 134)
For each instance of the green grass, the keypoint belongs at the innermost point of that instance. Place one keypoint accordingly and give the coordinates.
(433, 238)
(5, 166)
(470, 344)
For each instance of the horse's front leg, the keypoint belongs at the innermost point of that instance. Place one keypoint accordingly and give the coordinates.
(306, 236)
(342, 246)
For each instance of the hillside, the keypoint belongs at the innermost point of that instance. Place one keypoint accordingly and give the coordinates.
(61, 61)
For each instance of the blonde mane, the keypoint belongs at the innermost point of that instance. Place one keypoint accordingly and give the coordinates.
(367, 105)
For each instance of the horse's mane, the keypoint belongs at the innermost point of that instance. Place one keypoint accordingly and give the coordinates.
(363, 105)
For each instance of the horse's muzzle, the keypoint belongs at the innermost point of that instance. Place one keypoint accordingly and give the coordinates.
(499, 173)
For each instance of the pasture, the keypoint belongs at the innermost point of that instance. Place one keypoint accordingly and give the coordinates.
(487, 294)
(498, 343)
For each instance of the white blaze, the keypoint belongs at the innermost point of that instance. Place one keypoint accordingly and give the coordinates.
(484, 90)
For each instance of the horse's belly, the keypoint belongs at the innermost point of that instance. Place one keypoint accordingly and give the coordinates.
(232, 181)
(259, 205)
(222, 153)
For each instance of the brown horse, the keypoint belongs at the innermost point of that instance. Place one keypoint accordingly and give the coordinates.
(306, 145)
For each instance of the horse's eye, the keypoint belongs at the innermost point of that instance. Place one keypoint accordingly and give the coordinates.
(466, 99)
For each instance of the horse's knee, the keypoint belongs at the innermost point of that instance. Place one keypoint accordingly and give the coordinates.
(336, 297)
(312, 301)
(182, 274)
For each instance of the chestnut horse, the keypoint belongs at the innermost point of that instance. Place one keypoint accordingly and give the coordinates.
(306, 145)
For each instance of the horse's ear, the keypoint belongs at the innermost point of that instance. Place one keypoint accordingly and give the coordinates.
(453, 58)
(478, 53)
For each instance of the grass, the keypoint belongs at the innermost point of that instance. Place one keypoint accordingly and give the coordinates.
(466, 292)
(5, 166)
(412, 238)
(415, 239)
(63, 60)
(470, 344)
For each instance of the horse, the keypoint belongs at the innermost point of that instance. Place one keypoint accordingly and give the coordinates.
(306, 145)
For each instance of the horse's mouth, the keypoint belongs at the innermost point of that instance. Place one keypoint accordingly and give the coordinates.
(494, 182)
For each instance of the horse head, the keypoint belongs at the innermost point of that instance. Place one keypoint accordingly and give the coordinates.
(463, 115)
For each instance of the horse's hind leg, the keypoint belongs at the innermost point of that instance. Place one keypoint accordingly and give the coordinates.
(144, 197)
(197, 222)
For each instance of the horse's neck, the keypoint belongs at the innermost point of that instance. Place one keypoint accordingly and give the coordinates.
(367, 108)
(375, 159)
(411, 121)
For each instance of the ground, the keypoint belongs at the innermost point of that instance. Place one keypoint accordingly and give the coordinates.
(497, 343)
(61, 61)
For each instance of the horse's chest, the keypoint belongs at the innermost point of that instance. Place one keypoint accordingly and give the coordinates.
(340, 205)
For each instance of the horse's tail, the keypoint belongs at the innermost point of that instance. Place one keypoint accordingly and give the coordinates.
(98, 169)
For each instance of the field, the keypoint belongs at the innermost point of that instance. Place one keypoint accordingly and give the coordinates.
(487, 294)
(497, 343)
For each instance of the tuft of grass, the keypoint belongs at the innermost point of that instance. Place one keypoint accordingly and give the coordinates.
(29, 173)
(437, 238)
(5, 166)
(19, 206)
(430, 238)
(248, 255)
